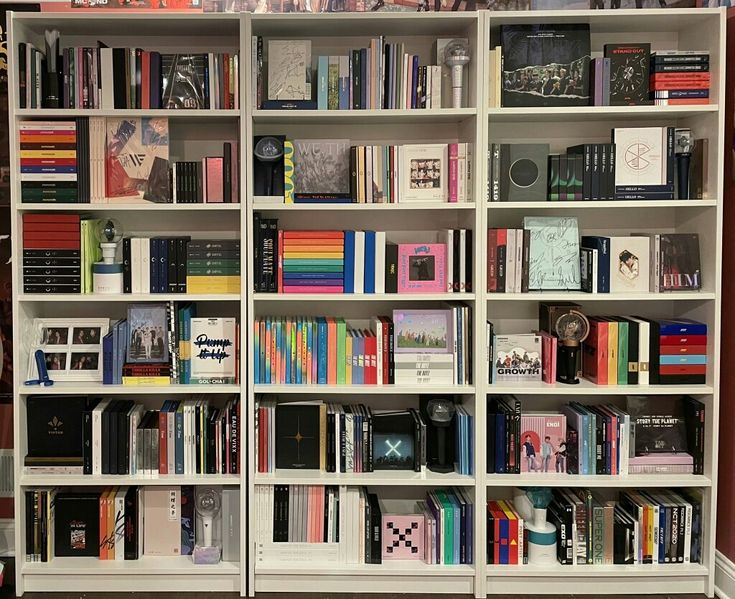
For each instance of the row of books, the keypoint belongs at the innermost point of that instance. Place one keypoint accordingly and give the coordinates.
(353, 438)
(641, 527)
(650, 435)
(124, 523)
(680, 78)
(360, 261)
(520, 260)
(161, 344)
(383, 75)
(211, 180)
(411, 347)
(180, 265)
(114, 78)
(619, 350)
(351, 525)
(119, 436)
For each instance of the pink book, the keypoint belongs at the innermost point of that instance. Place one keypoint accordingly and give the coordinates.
(403, 536)
(310, 289)
(543, 443)
(453, 172)
(422, 268)
(215, 179)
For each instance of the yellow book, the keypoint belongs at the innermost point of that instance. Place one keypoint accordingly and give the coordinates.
(48, 153)
(110, 504)
(146, 380)
(612, 352)
(213, 284)
(348, 358)
(288, 170)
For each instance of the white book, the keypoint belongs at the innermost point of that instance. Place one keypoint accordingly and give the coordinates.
(135, 414)
(380, 243)
(519, 260)
(640, 156)
(377, 326)
(462, 259)
(97, 436)
(288, 61)
(359, 261)
(171, 442)
(119, 538)
(48, 177)
(510, 262)
(236, 63)
(369, 195)
(630, 259)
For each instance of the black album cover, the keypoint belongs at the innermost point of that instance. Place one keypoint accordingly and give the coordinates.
(523, 172)
(546, 65)
(394, 440)
(77, 524)
(55, 426)
(183, 81)
(298, 436)
(629, 73)
(659, 424)
(681, 269)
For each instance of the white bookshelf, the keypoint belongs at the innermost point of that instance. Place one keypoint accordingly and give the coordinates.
(193, 134)
(197, 133)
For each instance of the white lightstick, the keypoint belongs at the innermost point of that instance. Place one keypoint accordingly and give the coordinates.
(208, 506)
(456, 56)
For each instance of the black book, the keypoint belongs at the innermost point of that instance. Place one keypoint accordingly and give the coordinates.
(227, 171)
(390, 428)
(660, 424)
(356, 83)
(119, 77)
(455, 261)
(623, 537)
(211, 450)
(130, 538)
(123, 437)
(368, 527)
(183, 81)
(127, 274)
(469, 253)
(694, 413)
(181, 246)
(112, 444)
(138, 77)
(391, 267)
(545, 65)
(77, 524)
(552, 188)
(156, 78)
(680, 264)
(273, 240)
(22, 75)
(629, 73)
(490, 442)
(87, 435)
(633, 357)
(54, 427)
(391, 356)
(298, 436)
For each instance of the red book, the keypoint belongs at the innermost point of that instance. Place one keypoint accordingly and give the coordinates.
(215, 179)
(49, 228)
(659, 85)
(492, 256)
(684, 350)
(683, 369)
(145, 83)
(51, 235)
(50, 245)
(683, 340)
(688, 76)
(681, 101)
(313, 235)
(48, 161)
(502, 243)
(162, 443)
(371, 357)
(594, 358)
(50, 218)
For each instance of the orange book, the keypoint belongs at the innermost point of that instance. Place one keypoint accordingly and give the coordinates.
(323, 249)
(30, 138)
(331, 351)
(303, 254)
(313, 235)
(103, 524)
(145, 84)
(110, 505)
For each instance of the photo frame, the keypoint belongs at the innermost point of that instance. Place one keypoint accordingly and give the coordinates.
(72, 346)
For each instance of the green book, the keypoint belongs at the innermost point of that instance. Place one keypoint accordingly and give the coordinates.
(315, 268)
(333, 83)
(622, 352)
(341, 351)
(213, 263)
(90, 252)
(447, 516)
(213, 271)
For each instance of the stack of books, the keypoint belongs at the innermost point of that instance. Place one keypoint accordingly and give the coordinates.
(154, 265)
(213, 274)
(682, 352)
(52, 253)
(311, 261)
(49, 154)
(680, 77)
(211, 180)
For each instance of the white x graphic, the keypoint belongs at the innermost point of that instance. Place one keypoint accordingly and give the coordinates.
(393, 448)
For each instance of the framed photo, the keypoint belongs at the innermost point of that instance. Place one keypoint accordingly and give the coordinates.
(422, 268)
(423, 173)
(148, 334)
(72, 347)
(423, 331)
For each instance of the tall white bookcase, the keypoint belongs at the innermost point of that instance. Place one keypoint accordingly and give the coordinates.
(197, 133)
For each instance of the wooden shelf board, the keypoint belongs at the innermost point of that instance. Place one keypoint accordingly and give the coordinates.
(68, 388)
(598, 481)
(63, 480)
(129, 297)
(363, 389)
(580, 296)
(586, 387)
(363, 297)
(379, 478)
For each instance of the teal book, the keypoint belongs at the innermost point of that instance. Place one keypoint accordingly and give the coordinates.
(322, 71)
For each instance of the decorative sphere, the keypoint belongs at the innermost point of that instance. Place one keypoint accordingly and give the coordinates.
(109, 230)
(457, 52)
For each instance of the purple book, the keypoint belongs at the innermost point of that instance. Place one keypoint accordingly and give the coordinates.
(415, 78)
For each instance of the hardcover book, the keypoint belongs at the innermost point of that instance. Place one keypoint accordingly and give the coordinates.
(136, 148)
(213, 359)
(162, 505)
(321, 166)
(403, 537)
(184, 81)
(517, 357)
(77, 524)
(422, 268)
(523, 172)
(659, 424)
(423, 331)
(545, 65)
(543, 442)
(289, 69)
(423, 173)
(55, 427)
(640, 157)
(553, 261)
(679, 262)
(148, 333)
(629, 73)
(630, 264)
(298, 436)
(394, 435)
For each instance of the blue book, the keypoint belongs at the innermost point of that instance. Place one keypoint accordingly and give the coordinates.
(122, 350)
(322, 72)
(682, 326)
(322, 351)
(500, 443)
(504, 535)
(414, 88)
(602, 245)
(696, 359)
(153, 245)
(344, 83)
(363, 78)
(179, 450)
(369, 285)
(107, 359)
(458, 522)
(163, 262)
(349, 262)
(115, 346)
(470, 524)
